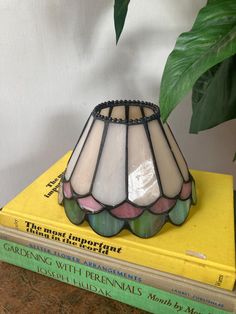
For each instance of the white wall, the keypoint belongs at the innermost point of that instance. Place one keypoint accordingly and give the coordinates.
(58, 59)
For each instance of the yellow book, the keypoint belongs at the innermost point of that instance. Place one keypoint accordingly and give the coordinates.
(202, 249)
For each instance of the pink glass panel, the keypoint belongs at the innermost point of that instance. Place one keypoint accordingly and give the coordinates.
(186, 190)
(126, 210)
(67, 190)
(89, 203)
(163, 205)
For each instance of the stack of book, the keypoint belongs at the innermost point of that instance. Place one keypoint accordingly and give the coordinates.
(187, 269)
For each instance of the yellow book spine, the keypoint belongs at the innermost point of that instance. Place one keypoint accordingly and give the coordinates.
(189, 267)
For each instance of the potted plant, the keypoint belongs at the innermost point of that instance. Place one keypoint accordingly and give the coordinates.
(203, 60)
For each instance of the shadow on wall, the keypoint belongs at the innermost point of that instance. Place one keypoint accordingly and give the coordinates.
(120, 66)
(60, 135)
(202, 150)
(80, 18)
(124, 67)
(60, 132)
(129, 65)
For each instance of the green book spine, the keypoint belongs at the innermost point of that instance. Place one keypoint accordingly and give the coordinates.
(108, 285)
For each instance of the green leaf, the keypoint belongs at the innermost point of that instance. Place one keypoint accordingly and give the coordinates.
(120, 12)
(211, 40)
(235, 160)
(214, 96)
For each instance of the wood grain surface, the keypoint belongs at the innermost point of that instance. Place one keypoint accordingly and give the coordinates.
(25, 292)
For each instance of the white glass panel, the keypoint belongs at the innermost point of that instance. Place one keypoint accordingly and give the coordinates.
(109, 184)
(148, 112)
(170, 176)
(118, 112)
(105, 112)
(77, 150)
(178, 155)
(134, 112)
(83, 174)
(142, 181)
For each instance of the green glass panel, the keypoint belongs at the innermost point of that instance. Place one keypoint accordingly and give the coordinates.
(73, 211)
(105, 224)
(180, 212)
(194, 193)
(147, 224)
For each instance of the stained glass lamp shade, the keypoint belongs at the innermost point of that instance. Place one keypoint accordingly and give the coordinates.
(127, 171)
